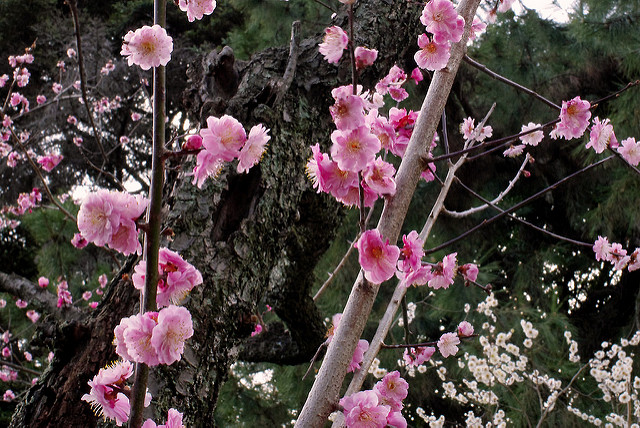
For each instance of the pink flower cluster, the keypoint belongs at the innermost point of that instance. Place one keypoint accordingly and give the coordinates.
(147, 47)
(574, 119)
(471, 132)
(601, 136)
(174, 420)
(223, 140)
(49, 161)
(196, 9)
(377, 407)
(617, 255)
(109, 218)
(27, 201)
(176, 277)
(154, 338)
(442, 20)
(377, 257)
(64, 295)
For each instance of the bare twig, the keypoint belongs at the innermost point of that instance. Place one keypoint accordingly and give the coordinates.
(289, 72)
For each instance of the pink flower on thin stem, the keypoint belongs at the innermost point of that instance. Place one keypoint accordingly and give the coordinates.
(21, 304)
(416, 75)
(432, 55)
(601, 136)
(147, 47)
(354, 149)
(391, 390)
(416, 356)
(444, 272)
(377, 258)
(469, 272)
(253, 148)
(33, 315)
(105, 397)
(630, 151)
(50, 161)
(334, 42)
(441, 18)
(173, 329)
(602, 249)
(574, 119)
(348, 110)
(358, 355)
(43, 282)
(223, 137)
(532, 138)
(379, 176)
(448, 344)
(465, 329)
(78, 241)
(196, 9)
(364, 57)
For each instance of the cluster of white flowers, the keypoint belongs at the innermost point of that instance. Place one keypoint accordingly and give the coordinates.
(376, 370)
(411, 314)
(430, 419)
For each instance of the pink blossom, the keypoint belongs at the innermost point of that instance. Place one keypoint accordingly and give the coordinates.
(618, 256)
(601, 135)
(107, 68)
(6, 336)
(77, 141)
(444, 272)
(477, 27)
(348, 110)
(28, 356)
(56, 88)
(3, 80)
(381, 128)
(574, 119)
(135, 116)
(8, 395)
(78, 241)
(64, 296)
(176, 277)
(391, 390)
(43, 282)
(532, 138)
(93, 305)
(354, 149)
(379, 176)
(630, 151)
(102, 280)
(137, 333)
(364, 57)
(124, 139)
(253, 149)
(391, 84)
(334, 42)
(33, 315)
(6, 122)
(49, 161)
(173, 329)
(465, 329)
(358, 355)
(361, 410)
(194, 142)
(396, 420)
(41, 99)
(256, 330)
(432, 56)
(6, 352)
(412, 252)
(86, 295)
(71, 53)
(377, 257)
(634, 262)
(223, 137)
(441, 18)
(317, 168)
(403, 123)
(196, 9)
(602, 248)
(147, 47)
(3, 303)
(505, 5)
(21, 304)
(448, 344)
(104, 396)
(469, 272)
(514, 151)
(207, 165)
(416, 75)
(416, 356)
(15, 99)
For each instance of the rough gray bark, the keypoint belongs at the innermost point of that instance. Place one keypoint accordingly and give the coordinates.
(255, 237)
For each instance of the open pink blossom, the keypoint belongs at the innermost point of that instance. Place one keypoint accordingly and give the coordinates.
(630, 151)
(441, 18)
(465, 329)
(33, 316)
(618, 256)
(8, 395)
(43, 282)
(147, 47)
(444, 272)
(316, 168)
(601, 136)
(412, 252)
(196, 9)
(334, 42)
(223, 137)
(254, 148)
(173, 329)
(21, 303)
(354, 149)
(207, 165)
(416, 75)
(532, 138)
(477, 27)
(514, 151)
(432, 55)
(448, 344)
(377, 258)
(256, 330)
(104, 396)
(358, 355)
(49, 161)
(392, 84)
(602, 249)
(176, 277)
(3, 80)
(137, 333)
(365, 57)
(505, 5)
(416, 356)
(634, 261)
(362, 410)
(64, 295)
(391, 390)
(574, 119)
(379, 176)
(348, 110)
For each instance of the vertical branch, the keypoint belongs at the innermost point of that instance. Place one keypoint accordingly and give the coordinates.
(325, 392)
(154, 218)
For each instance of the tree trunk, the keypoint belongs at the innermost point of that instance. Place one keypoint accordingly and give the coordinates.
(254, 236)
